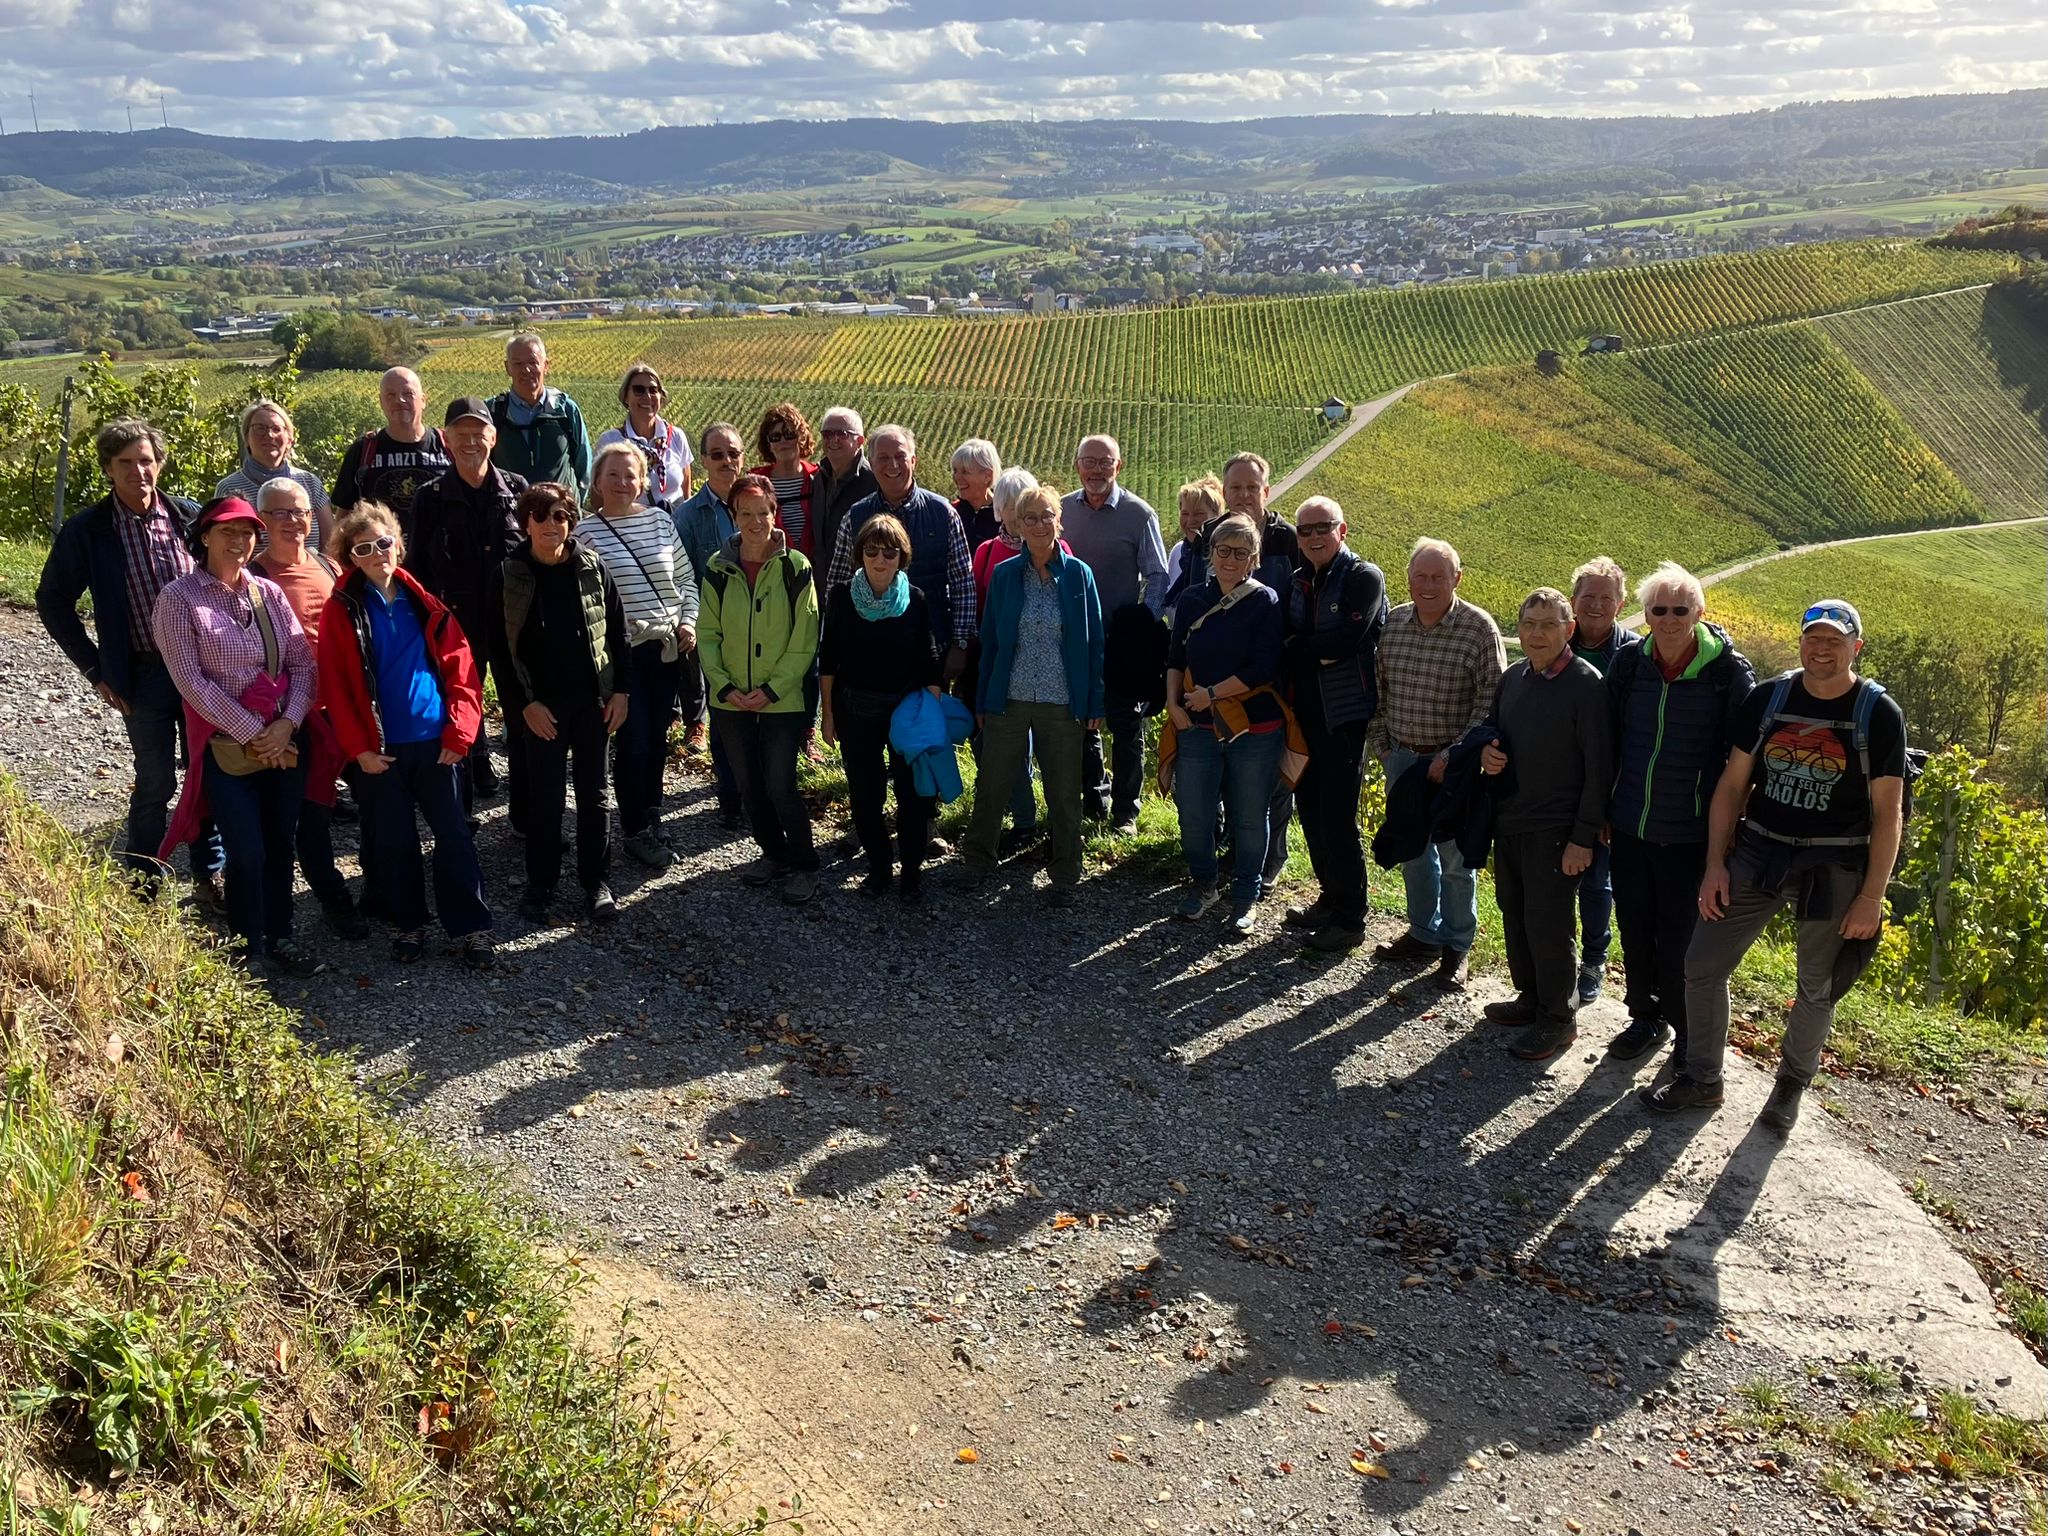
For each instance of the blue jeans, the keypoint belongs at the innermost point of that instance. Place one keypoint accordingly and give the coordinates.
(155, 723)
(258, 815)
(417, 781)
(1596, 908)
(1242, 773)
(1443, 895)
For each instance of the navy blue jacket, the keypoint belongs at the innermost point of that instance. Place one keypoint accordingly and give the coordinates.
(1334, 620)
(86, 557)
(1081, 634)
(1459, 810)
(1672, 739)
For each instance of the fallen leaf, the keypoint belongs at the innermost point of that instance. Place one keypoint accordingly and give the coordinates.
(132, 1183)
(1118, 1455)
(1333, 1327)
(1314, 1407)
(284, 1355)
(577, 1111)
(1241, 1244)
(1062, 1220)
(1409, 1282)
(967, 1454)
(115, 1049)
(1375, 1442)
(1366, 1468)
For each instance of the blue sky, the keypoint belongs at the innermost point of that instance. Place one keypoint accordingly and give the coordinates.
(345, 69)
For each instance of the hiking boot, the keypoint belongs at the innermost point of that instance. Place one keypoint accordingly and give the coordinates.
(600, 905)
(1681, 1091)
(409, 946)
(478, 953)
(536, 905)
(763, 871)
(650, 850)
(1452, 972)
(209, 896)
(1640, 1038)
(1408, 947)
(1059, 898)
(1513, 1012)
(1311, 917)
(877, 883)
(1544, 1039)
(1336, 938)
(910, 888)
(850, 846)
(697, 740)
(1015, 841)
(1125, 825)
(1591, 979)
(937, 848)
(800, 887)
(1781, 1110)
(1197, 901)
(284, 958)
(342, 919)
(1244, 917)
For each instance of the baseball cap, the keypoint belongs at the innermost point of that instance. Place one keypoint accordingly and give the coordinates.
(1836, 614)
(465, 405)
(229, 509)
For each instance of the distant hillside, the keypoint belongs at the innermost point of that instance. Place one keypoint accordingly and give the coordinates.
(1898, 135)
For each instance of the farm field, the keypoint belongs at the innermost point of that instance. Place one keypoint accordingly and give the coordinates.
(1878, 213)
(1972, 378)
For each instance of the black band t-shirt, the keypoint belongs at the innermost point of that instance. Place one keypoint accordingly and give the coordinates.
(380, 468)
(1808, 781)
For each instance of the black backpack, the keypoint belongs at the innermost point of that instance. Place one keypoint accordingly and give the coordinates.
(1868, 692)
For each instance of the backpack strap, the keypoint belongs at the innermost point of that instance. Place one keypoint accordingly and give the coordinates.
(328, 565)
(273, 653)
(1781, 690)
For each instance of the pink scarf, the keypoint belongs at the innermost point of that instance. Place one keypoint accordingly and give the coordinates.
(261, 699)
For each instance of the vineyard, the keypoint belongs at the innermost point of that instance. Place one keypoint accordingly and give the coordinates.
(1973, 380)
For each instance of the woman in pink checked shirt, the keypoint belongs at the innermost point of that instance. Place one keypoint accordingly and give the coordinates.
(233, 645)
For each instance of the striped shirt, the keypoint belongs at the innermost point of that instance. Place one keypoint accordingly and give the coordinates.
(793, 505)
(153, 555)
(1435, 682)
(250, 479)
(649, 566)
(213, 648)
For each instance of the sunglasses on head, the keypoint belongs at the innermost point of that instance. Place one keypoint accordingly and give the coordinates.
(1829, 611)
(1671, 611)
(383, 544)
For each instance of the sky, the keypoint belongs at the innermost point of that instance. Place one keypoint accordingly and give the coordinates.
(496, 68)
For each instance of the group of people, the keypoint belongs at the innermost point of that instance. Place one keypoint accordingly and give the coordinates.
(296, 639)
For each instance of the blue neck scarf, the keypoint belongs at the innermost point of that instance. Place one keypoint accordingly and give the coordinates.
(891, 604)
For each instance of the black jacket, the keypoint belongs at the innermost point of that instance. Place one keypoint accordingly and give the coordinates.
(831, 500)
(1460, 810)
(1134, 657)
(86, 557)
(461, 534)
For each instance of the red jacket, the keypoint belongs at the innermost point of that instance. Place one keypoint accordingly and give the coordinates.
(810, 470)
(348, 675)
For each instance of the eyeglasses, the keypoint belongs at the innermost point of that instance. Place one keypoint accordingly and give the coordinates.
(1230, 552)
(644, 389)
(289, 515)
(1095, 461)
(724, 455)
(383, 544)
(553, 515)
(1671, 611)
(1038, 520)
(1315, 530)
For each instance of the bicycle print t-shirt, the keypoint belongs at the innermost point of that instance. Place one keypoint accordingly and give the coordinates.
(1809, 782)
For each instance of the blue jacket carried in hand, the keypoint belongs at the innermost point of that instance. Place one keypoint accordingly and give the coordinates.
(924, 729)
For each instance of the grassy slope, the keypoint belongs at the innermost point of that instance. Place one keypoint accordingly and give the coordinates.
(1962, 369)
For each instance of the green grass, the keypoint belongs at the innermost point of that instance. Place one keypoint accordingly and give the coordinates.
(21, 566)
(1972, 377)
(235, 1294)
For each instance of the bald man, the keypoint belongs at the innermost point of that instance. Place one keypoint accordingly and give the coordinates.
(392, 463)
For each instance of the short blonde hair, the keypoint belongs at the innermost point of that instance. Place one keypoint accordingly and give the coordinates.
(359, 520)
(1251, 461)
(617, 450)
(1600, 568)
(1206, 492)
(1036, 498)
(1437, 547)
(256, 408)
(1673, 577)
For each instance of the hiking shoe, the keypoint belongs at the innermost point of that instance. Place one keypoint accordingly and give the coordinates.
(536, 905)
(1125, 825)
(342, 919)
(1244, 917)
(800, 887)
(1681, 1091)
(851, 847)
(1640, 1038)
(1016, 840)
(732, 819)
(1544, 1039)
(697, 740)
(1591, 979)
(1408, 947)
(1336, 938)
(877, 883)
(600, 905)
(409, 946)
(1059, 898)
(763, 871)
(1513, 1012)
(1313, 916)
(650, 850)
(910, 888)
(1781, 1110)
(478, 953)
(209, 896)
(1452, 972)
(284, 958)
(1197, 901)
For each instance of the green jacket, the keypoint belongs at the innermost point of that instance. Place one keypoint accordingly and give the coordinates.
(765, 637)
(554, 446)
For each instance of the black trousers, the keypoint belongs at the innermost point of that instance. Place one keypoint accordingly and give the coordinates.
(580, 746)
(862, 720)
(1539, 919)
(1326, 800)
(1112, 788)
(1656, 906)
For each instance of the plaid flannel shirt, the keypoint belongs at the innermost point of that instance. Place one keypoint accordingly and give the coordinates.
(1435, 682)
(213, 649)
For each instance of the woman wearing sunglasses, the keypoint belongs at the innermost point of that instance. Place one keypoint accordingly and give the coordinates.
(1675, 697)
(399, 682)
(558, 638)
(664, 445)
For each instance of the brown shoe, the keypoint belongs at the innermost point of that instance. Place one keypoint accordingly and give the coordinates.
(1452, 973)
(209, 895)
(696, 740)
(1407, 947)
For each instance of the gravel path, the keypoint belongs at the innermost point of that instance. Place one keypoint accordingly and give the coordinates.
(1172, 1234)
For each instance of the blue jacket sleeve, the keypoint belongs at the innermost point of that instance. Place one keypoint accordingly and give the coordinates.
(1264, 635)
(1097, 705)
(997, 627)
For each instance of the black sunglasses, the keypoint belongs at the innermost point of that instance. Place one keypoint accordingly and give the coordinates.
(552, 515)
(1670, 611)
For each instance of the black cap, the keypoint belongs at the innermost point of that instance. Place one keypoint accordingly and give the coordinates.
(465, 405)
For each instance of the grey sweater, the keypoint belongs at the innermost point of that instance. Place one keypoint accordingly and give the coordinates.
(1119, 543)
(1560, 746)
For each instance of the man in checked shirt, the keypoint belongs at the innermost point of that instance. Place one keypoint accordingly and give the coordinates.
(124, 549)
(1439, 664)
